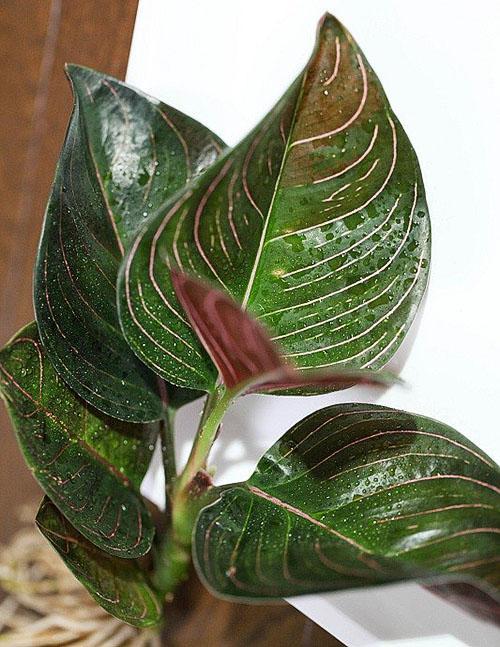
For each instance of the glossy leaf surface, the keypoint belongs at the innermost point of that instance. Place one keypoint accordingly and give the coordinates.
(355, 495)
(316, 222)
(240, 347)
(90, 466)
(118, 585)
(124, 154)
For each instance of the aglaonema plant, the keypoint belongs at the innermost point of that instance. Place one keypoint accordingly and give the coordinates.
(171, 267)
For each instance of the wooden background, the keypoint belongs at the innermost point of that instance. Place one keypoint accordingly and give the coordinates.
(36, 38)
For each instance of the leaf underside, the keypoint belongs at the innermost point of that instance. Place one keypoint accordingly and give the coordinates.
(355, 495)
(470, 598)
(90, 466)
(118, 585)
(124, 155)
(316, 222)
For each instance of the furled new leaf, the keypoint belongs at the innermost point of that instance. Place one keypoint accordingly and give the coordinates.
(118, 585)
(355, 495)
(240, 347)
(124, 154)
(316, 222)
(90, 466)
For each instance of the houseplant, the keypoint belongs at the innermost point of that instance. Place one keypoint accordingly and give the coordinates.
(317, 224)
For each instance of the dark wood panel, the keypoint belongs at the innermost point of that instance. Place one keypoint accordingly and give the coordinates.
(36, 38)
(197, 618)
(22, 39)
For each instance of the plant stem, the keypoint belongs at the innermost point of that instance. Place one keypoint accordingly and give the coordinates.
(215, 407)
(186, 496)
(187, 493)
(170, 562)
(171, 565)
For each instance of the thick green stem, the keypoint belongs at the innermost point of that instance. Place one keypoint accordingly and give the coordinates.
(170, 561)
(186, 493)
(215, 407)
(171, 565)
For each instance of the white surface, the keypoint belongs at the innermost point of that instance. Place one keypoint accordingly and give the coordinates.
(226, 63)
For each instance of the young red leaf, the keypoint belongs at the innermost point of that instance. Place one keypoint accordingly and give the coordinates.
(238, 345)
(242, 350)
(310, 382)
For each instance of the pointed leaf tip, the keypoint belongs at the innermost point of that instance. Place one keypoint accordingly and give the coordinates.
(78, 74)
(329, 21)
(73, 69)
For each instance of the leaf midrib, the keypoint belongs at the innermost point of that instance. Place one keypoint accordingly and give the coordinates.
(284, 505)
(260, 249)
(83, 120)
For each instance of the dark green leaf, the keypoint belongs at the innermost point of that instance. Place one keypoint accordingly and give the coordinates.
(124, 154)
(316, 222)
(355, 495)
(90, 465)
(118, 585)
